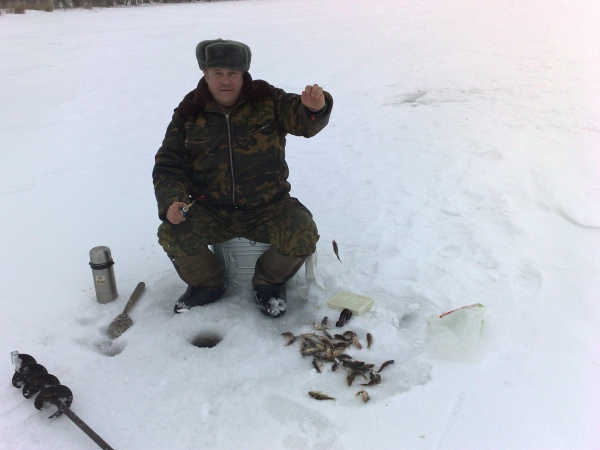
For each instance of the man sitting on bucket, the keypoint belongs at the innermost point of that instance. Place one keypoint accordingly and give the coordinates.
(221, 173)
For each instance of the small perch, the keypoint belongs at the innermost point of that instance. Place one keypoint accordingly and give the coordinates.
(335, 250)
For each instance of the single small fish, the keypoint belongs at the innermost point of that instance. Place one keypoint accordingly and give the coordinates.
(341, 345)
(310, 351)
(349, 335)
(362, 371)
(318, 326)
(352, 363)
(324, 321)
(304, 344)
(309, 336)
(375, 379)
(335, 366)
(317, 395)
(352, 375)
(364, 395)
(317, 365)
(290, 336)
(345, 315)
(350, 378)
(335, 250)
(369, 340)
(385, 364)
(339, 352)
(326, 341)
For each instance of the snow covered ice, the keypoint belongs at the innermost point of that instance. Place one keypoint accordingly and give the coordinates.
(461, 165)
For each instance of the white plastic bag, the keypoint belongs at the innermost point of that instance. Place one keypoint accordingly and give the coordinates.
(313, 277)
(457, 334)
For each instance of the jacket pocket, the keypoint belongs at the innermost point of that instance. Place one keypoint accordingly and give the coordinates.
(262, 128)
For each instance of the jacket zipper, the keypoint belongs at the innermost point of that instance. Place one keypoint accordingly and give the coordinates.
(230, 145)
(231, 168)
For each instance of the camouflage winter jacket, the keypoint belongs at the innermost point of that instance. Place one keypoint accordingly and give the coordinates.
(232, 160)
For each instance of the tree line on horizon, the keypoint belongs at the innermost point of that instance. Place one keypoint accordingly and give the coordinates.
(20, 6)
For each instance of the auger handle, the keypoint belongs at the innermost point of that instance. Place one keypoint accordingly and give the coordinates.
(84, 427)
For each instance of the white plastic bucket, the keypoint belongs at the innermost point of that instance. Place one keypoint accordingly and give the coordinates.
(457, 334)
(238, 258)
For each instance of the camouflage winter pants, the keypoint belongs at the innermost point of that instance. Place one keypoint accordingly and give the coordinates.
(286, 225)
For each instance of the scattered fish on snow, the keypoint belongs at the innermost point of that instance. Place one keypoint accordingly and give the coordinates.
(325, 348)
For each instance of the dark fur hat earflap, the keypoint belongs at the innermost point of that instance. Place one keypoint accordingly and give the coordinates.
(223, 53)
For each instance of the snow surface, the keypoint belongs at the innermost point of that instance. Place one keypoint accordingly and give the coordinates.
(461, 165)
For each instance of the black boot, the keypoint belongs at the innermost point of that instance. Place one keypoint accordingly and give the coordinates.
(198, 296)
(271, 299)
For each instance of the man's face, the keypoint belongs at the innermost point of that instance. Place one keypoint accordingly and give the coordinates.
(225, 85)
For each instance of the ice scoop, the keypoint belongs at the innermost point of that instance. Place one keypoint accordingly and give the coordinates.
(122, 322)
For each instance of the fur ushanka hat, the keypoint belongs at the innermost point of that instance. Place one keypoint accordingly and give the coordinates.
(223, 53)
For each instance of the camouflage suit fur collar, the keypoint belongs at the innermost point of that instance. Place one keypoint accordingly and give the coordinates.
(196, 101)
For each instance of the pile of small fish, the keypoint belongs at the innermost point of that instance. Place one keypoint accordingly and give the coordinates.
(327, 348)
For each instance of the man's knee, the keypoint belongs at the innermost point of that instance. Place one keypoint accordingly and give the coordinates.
(174, 240)
(300, 242)
(298, 234)
(273, 268)
(192, 236)
(200, 270)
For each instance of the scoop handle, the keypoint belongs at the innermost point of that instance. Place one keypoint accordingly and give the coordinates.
(134, 296)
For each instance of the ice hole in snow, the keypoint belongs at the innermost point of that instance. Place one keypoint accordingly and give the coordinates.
(206, 340)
